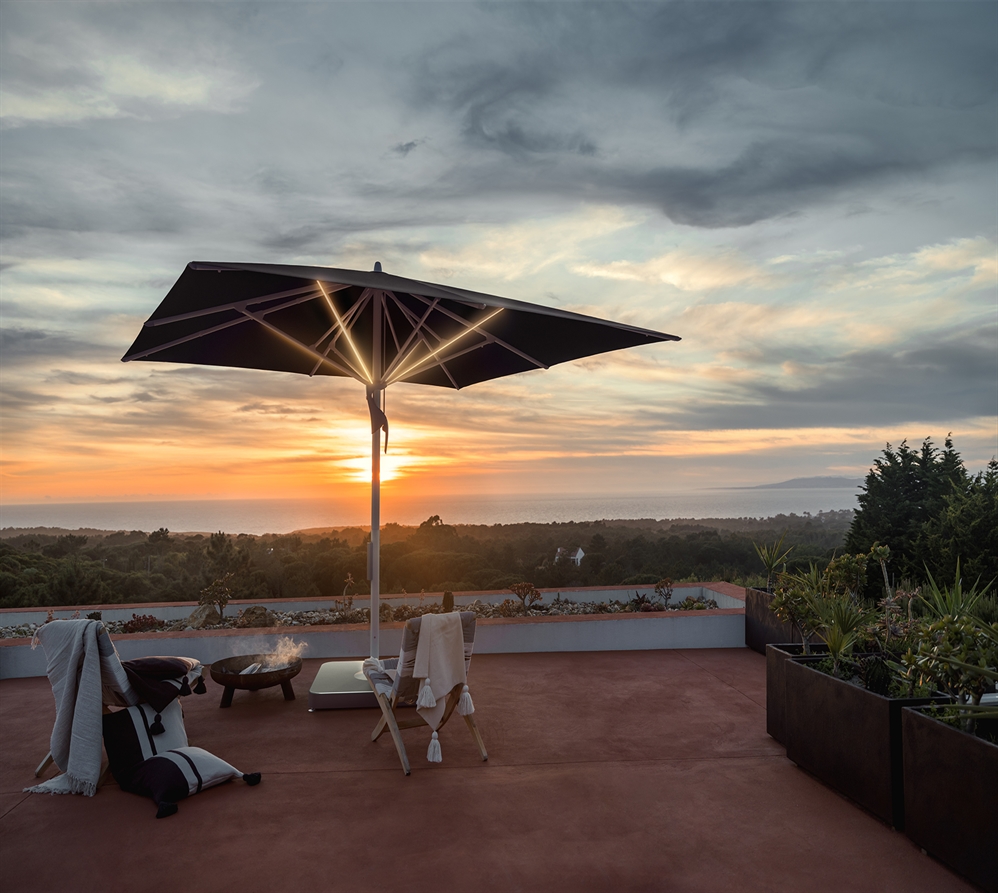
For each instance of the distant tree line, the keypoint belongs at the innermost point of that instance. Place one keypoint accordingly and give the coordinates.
(128, 567)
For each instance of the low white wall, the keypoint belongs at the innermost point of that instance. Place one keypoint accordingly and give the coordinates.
(715, 629)
(652, 632)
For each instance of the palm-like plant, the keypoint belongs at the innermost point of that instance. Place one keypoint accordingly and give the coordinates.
(772, 557)
(795, 598)
(840, 622)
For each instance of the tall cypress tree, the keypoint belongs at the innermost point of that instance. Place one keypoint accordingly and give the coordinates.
(967, 531)
(906, 490)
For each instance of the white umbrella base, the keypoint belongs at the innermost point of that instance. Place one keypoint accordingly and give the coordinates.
(336, 687)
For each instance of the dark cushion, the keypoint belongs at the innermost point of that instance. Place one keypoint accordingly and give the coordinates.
(182, 772)
(137, 733)
(159, 680)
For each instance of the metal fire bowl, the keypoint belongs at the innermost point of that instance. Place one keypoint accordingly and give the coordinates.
(227, 672)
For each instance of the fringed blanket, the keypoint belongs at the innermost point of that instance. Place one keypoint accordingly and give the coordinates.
(73, 666)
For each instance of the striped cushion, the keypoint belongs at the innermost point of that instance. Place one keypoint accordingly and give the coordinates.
(180, 773)
(129, 738)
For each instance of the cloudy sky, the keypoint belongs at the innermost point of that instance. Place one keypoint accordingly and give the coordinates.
(805, 192)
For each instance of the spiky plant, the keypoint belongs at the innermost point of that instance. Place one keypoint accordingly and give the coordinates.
(952, 601)
(840, 622)
(772, 557)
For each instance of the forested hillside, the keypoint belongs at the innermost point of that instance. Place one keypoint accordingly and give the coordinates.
(61, 568)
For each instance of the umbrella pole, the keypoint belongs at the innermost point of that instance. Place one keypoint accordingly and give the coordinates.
(375, 549)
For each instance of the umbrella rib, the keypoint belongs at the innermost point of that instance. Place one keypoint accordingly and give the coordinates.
(346, 333)
(401, 355)
(432, 355)
(349, 372)
(331, 347)
(305, 293)
(391, 326)
(420, 328)
(490, 337)
(193, 336)
(348, 316)
(441, 361)
(419, 331)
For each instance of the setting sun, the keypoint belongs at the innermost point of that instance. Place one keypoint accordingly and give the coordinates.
(393, 466)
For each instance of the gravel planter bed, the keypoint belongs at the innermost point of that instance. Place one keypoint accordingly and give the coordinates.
(509, 608)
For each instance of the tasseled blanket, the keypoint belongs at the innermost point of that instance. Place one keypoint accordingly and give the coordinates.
(440, 666)
(71, 646)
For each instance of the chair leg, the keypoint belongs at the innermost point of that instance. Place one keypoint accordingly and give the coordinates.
(387, 721)
(399, 746)
(44, 764)
(470, 720)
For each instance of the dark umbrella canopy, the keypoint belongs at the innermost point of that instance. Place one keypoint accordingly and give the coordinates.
(321, 321)
(373, 327)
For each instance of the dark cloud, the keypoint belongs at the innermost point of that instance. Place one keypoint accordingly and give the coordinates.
(97, 190)
(843, 96)
(404, 149)
(135, 397)
(75, 377)
(17, 398)
(38, 347)
(275, 409)
(327, 232)
(766, 180)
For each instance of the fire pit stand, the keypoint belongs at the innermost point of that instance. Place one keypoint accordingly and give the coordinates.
(228, 673)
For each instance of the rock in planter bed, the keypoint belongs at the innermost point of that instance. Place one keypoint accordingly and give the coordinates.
(951, 796)
(848, 737)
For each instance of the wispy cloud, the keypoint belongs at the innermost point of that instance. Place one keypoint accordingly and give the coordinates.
(684, 270)
(76, 71)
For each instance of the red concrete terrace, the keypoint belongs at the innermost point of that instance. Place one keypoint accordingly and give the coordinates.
(607, 771)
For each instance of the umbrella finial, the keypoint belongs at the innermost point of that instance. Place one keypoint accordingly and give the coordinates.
(377, 266)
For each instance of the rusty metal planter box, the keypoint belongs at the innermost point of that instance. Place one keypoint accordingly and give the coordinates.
(847, 737)
(951, 796)
(762, 627)
(776, 659)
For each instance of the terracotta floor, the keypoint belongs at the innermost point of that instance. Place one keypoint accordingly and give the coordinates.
(614, 771)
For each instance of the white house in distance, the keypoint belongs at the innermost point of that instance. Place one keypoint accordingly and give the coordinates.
(574, 555)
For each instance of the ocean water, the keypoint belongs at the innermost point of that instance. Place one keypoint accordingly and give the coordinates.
(258, 516)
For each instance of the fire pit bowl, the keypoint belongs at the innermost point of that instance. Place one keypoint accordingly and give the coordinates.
(228, 672)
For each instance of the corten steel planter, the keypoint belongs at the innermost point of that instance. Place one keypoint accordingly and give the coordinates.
(847, 737)
(776, 658)
(951, 796)
(762, 626)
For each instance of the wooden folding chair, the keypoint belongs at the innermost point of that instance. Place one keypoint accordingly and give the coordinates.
(396, 688)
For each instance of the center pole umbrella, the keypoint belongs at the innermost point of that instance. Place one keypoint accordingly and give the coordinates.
(370, 326)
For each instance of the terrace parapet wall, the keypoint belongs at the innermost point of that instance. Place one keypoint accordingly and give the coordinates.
(723, 627)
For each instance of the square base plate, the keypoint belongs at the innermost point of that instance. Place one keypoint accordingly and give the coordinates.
(336, 687)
